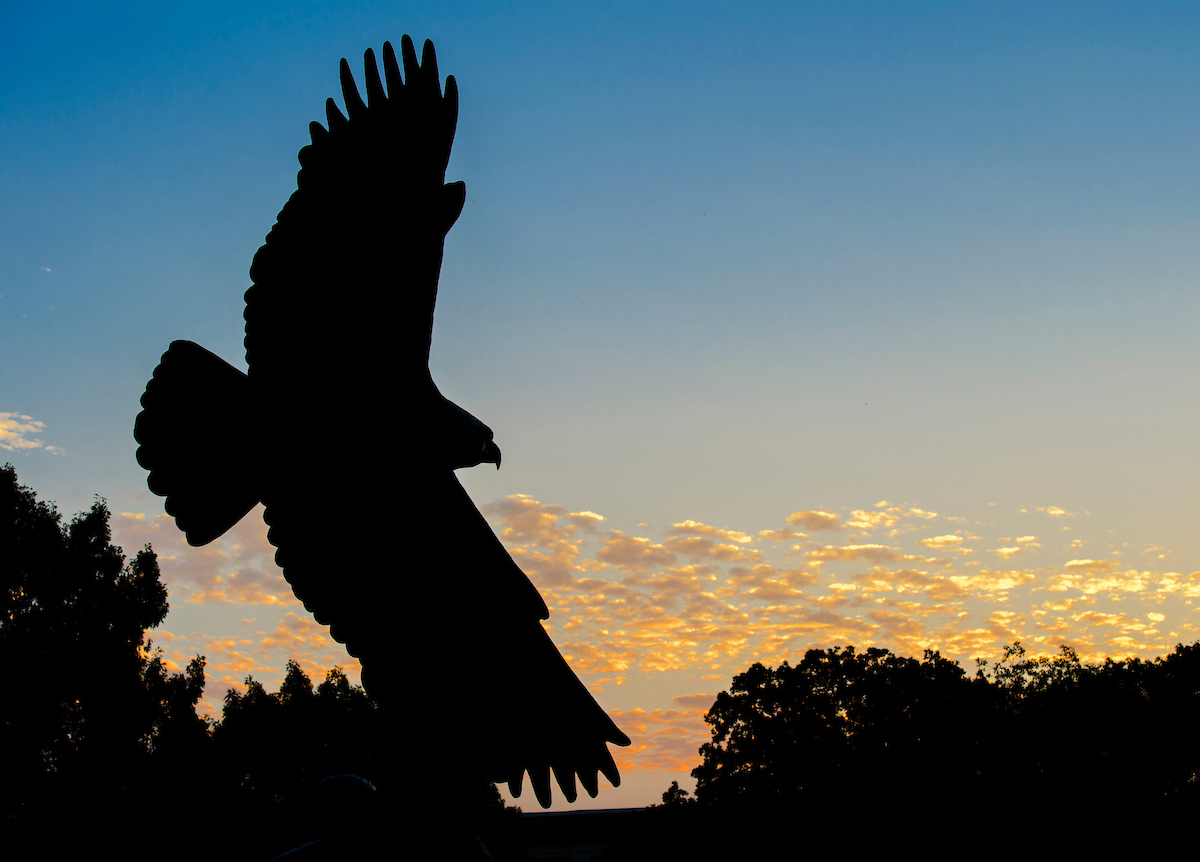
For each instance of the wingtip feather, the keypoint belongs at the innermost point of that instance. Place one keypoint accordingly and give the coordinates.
(333, 115)
(354, 103)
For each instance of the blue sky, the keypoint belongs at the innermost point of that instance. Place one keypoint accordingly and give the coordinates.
(719, 264)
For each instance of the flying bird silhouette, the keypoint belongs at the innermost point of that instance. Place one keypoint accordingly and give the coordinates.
(339, 430)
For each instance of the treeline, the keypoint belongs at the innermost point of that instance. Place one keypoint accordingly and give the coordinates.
(1031, 728)
(851, 749)
(104, 751)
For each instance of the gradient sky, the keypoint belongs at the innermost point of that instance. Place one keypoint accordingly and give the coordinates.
(798, 324)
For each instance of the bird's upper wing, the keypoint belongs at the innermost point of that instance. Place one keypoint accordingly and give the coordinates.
(347, 278)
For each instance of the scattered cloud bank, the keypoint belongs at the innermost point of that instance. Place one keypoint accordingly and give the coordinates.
(698, 601)
(687, 606)
(18, 433)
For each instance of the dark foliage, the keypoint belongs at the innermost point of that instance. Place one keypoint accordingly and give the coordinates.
(273, 749)
(271, 745)
(103, 746)
(842, 720)
(839, 721)
(869, 746)
(89, 711)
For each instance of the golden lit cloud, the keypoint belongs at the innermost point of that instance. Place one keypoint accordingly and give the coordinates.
(940, 542)
(873, 553)
(1095, 565)
(671, 611)
(663, 740)
(861, 520)
(695, 528)
(1184, 585)
(18, 433)
(817, 520)
(698, 546)
(634, 552)
(238, 568)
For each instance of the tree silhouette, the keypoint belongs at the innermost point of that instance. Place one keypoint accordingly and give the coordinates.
(101, 739)
(276, 750)
(87, 704)
(278, 746)
(675, 796)
(843, 739)
(840, 720)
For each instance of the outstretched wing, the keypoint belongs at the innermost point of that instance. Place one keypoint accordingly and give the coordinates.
(445, 624)
(345, 285)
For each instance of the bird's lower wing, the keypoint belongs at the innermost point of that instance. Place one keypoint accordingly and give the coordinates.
(411, 578)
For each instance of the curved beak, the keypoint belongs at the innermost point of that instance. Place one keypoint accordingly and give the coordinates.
(491, 454)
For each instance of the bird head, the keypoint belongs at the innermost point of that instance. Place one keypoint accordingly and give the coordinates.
(465, 441)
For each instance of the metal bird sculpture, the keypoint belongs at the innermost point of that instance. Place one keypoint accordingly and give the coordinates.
(339, 320)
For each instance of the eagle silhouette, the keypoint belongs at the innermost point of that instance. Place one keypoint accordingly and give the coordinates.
(373, 530)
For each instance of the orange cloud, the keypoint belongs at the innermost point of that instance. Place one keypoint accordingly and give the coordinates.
(816, 520)
(940, 542)
(17, 434)
(695, 528)
(633, 552)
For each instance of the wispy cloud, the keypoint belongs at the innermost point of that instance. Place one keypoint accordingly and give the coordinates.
(18, 433)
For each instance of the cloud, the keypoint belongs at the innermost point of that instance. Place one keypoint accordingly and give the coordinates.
(940, 542)
(862, 520)
(17, 434)
(783, 535)
(1094, 565)
(545, 540)
(766, 583)
(264, 655)
(662, 740)
(298, 634)
(524, 519)
(698, 546)
(695, 528)
(817, 520)
(1131, 582)
(1056, 511)
(873, 553)
(633, 552)
(1185, 585)
(694, 701)
(703, 602)
(988, 582)
(939, 588)
(238, 568)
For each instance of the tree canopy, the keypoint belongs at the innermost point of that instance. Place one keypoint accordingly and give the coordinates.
(841, 722)
(103, 746)
(86, 700)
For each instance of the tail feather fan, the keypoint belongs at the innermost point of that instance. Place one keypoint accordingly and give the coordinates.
(195, 432)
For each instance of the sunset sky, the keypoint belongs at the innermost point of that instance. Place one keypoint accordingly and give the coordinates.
(798, 325)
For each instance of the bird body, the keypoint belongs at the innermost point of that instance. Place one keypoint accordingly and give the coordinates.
(339, 324)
